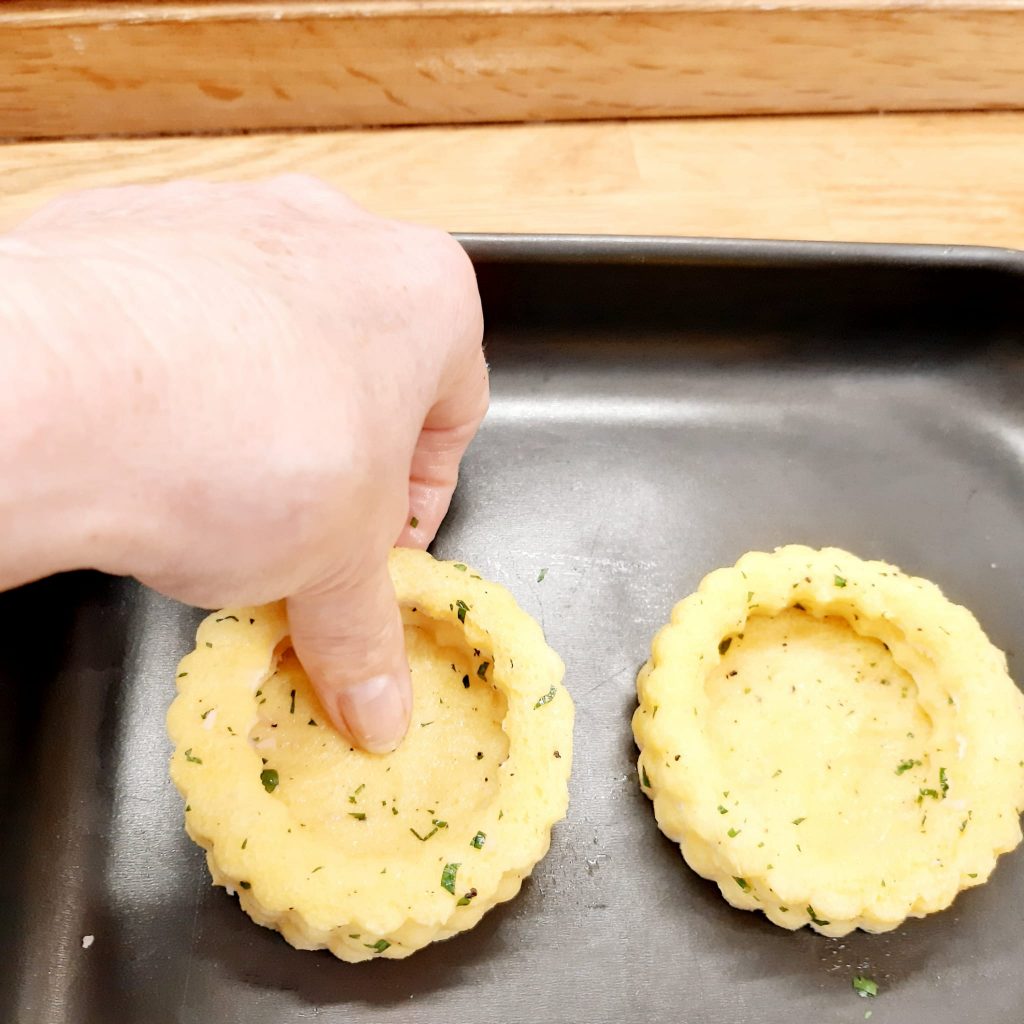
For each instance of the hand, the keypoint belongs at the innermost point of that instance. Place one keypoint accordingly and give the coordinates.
(248, 392)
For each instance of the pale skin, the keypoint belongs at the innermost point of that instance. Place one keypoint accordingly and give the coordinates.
(240, 393)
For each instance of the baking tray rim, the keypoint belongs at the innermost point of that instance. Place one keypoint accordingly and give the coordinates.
(686, 250)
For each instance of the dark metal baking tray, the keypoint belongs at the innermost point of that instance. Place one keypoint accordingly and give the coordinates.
(660, 407)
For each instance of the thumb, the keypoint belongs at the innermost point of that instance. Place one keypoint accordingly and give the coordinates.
(348, 636)
(447, 431)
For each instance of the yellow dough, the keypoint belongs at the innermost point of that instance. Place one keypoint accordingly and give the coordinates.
(831, 741)
(363, 854)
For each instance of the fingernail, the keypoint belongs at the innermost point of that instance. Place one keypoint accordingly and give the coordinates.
(376, 712)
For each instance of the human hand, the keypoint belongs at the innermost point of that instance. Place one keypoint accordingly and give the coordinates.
(268, 388)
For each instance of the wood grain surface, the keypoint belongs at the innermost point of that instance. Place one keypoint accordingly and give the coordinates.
(117, 67)
(956, 178)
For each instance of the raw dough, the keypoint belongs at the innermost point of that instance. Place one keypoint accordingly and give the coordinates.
(372, 855)
(831, 741)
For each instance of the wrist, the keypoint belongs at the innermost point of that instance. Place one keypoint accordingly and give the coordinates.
(55, 462)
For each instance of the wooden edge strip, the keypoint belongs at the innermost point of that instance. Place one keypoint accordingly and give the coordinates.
(326, 71)
(33, 14)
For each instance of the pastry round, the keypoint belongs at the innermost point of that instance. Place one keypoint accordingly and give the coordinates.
(371, 855)
(831, 741)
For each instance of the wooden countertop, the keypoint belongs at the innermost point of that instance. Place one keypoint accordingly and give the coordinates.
(943, 178)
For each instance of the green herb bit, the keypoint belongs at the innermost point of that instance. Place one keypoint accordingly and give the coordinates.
(972, 874)
(482, 670)
(191, 758)
(270, 779)
(463, 608)
(922, 793)
(459, 566)
(181, 675)
(381, 944)
(358, 815)
(394, 810)
(463, 901)
(796, 821)
(839, 581)
(440, 824)
(734, 832)
(291, 710)
(776, 773)
(188, 807)
(414, 522)
(943, 782)
(354, 935)
(725, 645)
(546, 699)
(541, 575)
(245, 885)
(422, 839)
(865, 986)
(742, 883)
(723, 810)
(245, 842)
(905, 766)
(477, 842)
(448, 877)
(814, 917)
(319, 867)
(205, 713)
(644, 779)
